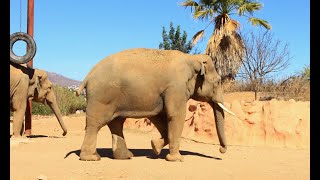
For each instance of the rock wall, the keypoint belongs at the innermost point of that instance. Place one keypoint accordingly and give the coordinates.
(259, 123)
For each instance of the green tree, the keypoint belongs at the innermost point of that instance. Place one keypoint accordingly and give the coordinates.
(174, 40)
(225, 44)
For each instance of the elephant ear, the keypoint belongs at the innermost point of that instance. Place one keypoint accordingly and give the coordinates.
(202, 70)
(38, 86)
(33, 87)
(44, 86)
(199, 63)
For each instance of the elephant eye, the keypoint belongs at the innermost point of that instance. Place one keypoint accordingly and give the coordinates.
(218, 80)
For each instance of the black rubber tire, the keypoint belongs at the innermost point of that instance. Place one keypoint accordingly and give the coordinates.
(31, 48)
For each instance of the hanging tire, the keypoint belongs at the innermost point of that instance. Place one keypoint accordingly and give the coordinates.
(31, 47)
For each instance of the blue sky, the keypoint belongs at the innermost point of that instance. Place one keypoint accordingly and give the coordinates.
(73, 35)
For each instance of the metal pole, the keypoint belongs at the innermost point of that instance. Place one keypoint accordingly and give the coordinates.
(30, 25)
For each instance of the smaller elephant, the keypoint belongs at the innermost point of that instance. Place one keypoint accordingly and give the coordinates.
(28, 83)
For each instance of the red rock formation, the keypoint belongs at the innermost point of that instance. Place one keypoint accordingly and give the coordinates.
(265, 123)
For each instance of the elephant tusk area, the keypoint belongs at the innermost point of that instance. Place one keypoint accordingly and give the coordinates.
(225, 109)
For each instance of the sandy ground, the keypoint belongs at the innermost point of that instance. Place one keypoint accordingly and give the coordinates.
(49, 155)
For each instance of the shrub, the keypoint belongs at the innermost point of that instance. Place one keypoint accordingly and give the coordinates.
(40, 109)
(67, 101)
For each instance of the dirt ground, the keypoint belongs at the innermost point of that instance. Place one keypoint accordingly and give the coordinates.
(49, 155)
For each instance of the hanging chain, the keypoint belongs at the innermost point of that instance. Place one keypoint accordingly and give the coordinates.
(20, 13)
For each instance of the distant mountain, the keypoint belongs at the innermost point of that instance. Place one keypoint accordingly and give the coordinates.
(62, 80)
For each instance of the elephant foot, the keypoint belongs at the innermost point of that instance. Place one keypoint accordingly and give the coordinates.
(157, 145)
(174, 157)
(120, 154)
(90, 157)
(19, 139)
(223, 149)
(19, 135)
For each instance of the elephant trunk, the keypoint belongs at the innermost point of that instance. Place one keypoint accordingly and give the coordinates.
(219, 119)
(52, 102)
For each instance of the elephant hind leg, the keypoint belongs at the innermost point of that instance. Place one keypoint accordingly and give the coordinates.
(119, 147)
(88, 148)
(96, 118)
(160, 123)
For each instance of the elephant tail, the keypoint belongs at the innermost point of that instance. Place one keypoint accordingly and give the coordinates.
(81, 87)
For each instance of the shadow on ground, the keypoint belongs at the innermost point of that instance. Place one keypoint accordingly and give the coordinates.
(41, 136)
(107, 152)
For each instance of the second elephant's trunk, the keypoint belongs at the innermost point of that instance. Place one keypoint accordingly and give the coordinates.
(52, 102)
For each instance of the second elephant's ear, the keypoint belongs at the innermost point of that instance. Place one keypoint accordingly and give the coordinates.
(34, 87)
(38, 86)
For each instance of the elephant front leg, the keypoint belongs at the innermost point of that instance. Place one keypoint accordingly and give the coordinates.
(175, 127)
(88, 148)
(18, 118)
(19, 105)
(175, 107)
(119, 147)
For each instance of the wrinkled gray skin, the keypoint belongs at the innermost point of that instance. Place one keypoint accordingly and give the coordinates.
(27, 83)
(152, 83)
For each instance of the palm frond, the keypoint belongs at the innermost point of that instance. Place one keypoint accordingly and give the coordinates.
(189, 3)
(211, 12)
(261, 22)
(192, 4)
(228, 54)
(201, 14)
(199, 35)
(214, 41)
(221, 20)
(205, 2)
(249, 7)
(231, 26)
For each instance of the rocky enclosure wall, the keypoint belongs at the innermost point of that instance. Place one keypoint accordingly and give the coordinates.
(259, 123)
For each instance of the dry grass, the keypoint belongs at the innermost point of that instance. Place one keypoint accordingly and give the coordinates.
(291, 88)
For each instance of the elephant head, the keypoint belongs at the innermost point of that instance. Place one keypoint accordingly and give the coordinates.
(40, 90)
(208, 88)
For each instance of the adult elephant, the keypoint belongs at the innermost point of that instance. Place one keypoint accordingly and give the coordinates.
(28, 83)
(150, 83)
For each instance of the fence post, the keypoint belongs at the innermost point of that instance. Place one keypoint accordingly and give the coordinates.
(30, 24)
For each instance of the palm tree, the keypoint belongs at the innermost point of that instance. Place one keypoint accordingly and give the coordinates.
(225, 45)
